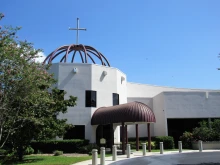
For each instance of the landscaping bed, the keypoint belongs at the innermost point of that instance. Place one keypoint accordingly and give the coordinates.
(208, 133)
(210, 145)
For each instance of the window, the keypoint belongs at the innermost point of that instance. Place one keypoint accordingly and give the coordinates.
(90, 98)
(115, 98)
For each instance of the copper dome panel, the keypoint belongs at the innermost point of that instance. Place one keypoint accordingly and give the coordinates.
(129, 112)
(67, 53)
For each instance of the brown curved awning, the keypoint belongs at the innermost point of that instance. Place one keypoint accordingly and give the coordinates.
(129, 112)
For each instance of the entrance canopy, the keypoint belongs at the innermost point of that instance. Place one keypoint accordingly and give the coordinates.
(128, 113)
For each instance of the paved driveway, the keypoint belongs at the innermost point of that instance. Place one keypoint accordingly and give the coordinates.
(203, 158)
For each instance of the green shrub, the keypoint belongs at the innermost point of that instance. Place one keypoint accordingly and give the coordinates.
(153, 146)
(206, 133)
(57, 153)
(133, 139)
(168, 142)
(88, 148)
(203, 133)
(133, 144)
(67, 146)
(215, 125)
(141, 139)
(186, 139)
(8, 157)
(39, 152)
(29, 150)
(3, 152)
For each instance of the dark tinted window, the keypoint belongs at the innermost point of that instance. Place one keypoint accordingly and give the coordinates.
(115, 98)
(90, 98)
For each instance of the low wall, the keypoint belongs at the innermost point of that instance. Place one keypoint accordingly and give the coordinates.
(207, 145)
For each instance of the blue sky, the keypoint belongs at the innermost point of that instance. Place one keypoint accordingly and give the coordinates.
(160, 42)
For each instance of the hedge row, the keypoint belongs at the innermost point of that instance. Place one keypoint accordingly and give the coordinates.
(67, 146)
(168, 141)
(133, 144)
(133, 139)
(83, 146)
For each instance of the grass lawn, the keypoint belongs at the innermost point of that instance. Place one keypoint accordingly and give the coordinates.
(50, 160)
(61, 160)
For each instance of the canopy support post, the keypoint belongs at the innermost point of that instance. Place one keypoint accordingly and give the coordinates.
(149, 137)
(101, 135)
(137, 138)
(123, 138)
(112, 135)
(101, 131)
(126, 134)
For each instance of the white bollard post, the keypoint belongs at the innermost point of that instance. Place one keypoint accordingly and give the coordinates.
(128, 151)
(102, 156)
(144, 149)
(200, 145)
(94, 156)
(161, 147)
(180, 146)
(114, 152)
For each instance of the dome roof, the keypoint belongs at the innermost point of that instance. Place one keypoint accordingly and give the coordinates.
(67, 53)
(129, 112)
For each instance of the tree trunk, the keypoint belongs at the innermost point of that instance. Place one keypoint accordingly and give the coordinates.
(20, 153)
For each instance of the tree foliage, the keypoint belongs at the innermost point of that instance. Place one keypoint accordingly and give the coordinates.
(29, 102)
(203, 132)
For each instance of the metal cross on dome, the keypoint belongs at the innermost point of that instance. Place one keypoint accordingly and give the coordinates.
(77, 30)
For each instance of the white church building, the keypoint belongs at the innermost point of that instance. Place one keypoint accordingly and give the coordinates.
(101, 90)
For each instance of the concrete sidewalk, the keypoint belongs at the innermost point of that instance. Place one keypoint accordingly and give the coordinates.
(138, 154)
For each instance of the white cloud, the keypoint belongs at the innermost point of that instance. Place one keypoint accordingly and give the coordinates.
(41, 57)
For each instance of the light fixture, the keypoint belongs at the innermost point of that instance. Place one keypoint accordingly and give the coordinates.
(104, 73)
(75, 70)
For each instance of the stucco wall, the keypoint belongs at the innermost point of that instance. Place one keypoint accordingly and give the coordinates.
(166, 102)
(145, 90)
(121, 87)
(107, 85)
(192, 104)
(75, 84)
(89, 77)
(160, 127)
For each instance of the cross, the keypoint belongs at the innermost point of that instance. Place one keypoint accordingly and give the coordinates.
(77, 30)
